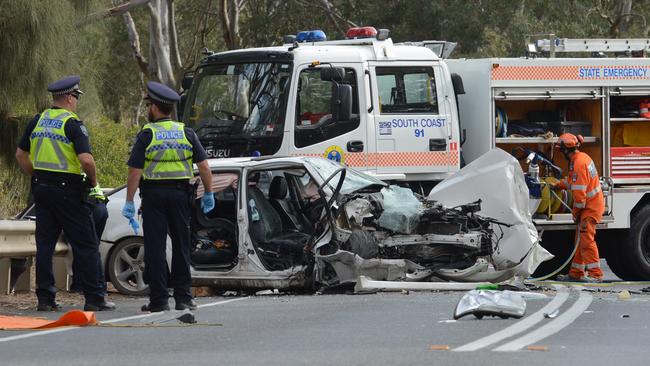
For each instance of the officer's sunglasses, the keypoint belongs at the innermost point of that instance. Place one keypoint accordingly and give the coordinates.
(75, 95)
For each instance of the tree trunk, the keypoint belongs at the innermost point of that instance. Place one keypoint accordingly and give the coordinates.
(134, 39)
(173, 37)
(229, 13)
(625, 15)
(159, 43)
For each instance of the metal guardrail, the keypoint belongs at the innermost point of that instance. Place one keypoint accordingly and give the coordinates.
(17, 242)
(17, 239)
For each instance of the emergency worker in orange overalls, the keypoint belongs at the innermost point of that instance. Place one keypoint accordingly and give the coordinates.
(588, 208)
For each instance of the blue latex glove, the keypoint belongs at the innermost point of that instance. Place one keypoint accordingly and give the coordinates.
(134, 225)
(128, 211)
(207, 202)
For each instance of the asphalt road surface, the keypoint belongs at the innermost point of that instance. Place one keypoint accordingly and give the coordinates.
(593, 326)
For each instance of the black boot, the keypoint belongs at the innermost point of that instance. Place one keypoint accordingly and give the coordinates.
(182, 305)
(102, 306)
(154, 309)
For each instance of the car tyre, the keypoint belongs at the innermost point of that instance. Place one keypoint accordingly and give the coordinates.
(126, 267)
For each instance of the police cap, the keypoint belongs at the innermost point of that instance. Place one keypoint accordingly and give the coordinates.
(67, 85)
(161, 93)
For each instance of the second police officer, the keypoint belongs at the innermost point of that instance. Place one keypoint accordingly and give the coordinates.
(161, 166)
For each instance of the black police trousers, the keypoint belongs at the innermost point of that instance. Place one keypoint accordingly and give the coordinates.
(100, 217)
(166, 210)
(60, 207)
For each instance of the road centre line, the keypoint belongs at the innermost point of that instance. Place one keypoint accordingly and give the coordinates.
(110, 321)
(552, 327)
(522, 325)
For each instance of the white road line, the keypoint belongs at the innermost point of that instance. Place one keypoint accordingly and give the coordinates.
(110, 321)
(551, 328)
(559, 299)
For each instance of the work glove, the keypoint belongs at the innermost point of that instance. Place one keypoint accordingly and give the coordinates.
(128, 211)
(97, 193)
(207, 202)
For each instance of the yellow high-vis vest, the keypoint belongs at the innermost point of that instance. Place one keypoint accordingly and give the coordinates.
(50, 149)
(169, 155)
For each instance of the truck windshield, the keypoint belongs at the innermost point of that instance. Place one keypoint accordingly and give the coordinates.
(239, 102)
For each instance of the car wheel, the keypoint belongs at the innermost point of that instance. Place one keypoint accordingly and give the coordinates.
(126, 267)
(636, 250)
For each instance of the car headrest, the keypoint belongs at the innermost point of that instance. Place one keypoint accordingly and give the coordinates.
(278, 188)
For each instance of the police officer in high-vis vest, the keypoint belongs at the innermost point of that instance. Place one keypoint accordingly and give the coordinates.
(161, 166)
(55, 152)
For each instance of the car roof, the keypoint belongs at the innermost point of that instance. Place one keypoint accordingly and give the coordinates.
(241, 162)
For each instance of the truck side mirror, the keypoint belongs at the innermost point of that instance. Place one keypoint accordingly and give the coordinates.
(180, 107)
(457, 81)
(342, 103)
(188, 78)
(336, 74)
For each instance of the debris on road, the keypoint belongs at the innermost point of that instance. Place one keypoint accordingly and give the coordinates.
(480, 303)
(624, 295)
(439, 347)
(537, 348)
(552, 314)
(167, 317)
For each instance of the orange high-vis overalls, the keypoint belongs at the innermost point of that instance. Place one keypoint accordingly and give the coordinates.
(588, 208)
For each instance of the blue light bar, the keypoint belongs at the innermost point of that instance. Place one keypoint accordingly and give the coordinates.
(311, 36)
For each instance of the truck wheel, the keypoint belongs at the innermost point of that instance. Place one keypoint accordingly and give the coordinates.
(617, 263)
(637, 247)
(560, 244)
(126, 267)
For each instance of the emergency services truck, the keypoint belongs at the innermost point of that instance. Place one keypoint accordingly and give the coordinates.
(401, 113)
(383, 108)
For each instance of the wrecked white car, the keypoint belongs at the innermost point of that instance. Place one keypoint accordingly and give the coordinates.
(306, 223)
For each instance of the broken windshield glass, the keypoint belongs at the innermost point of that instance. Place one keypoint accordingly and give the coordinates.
(354, 180)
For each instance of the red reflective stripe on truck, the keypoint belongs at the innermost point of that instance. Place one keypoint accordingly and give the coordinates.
(535, 73)
(395, 159)
(584, 72)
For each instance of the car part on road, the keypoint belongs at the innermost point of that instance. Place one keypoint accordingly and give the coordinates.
(553, 314)
(480, 303)
(126, 267)
(366, 284)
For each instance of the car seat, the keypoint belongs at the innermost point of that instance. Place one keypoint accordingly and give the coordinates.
(266, 229)
(277, 194)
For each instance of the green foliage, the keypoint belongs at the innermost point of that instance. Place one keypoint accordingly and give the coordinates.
(110, 144)
(15, 190)
(41, 38)
(14, 185)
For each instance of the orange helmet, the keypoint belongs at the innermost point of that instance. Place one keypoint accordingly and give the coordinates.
(569, 141)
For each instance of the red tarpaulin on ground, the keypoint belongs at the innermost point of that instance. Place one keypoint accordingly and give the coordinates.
(73, 317)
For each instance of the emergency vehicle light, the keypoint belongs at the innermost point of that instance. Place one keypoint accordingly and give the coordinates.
(316, 35)
(361, 32)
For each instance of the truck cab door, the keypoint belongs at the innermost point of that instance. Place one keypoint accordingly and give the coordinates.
(318, 131)
(414, 131)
